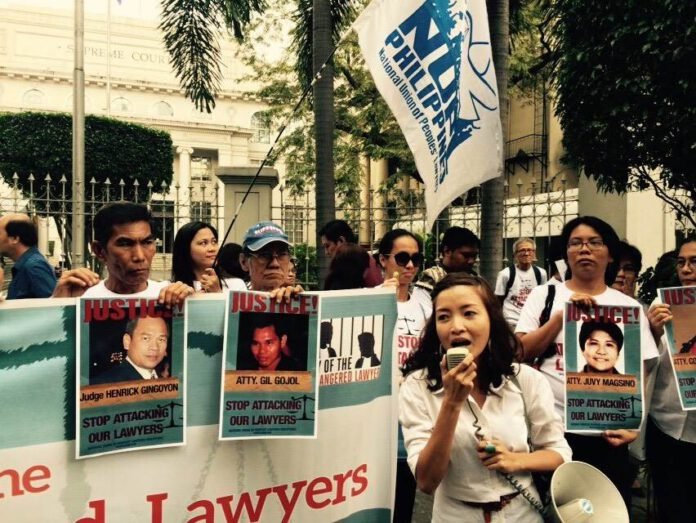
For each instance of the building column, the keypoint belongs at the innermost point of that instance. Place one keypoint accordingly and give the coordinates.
(183, 180)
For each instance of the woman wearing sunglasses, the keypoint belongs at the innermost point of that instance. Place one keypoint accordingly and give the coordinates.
(401, 255)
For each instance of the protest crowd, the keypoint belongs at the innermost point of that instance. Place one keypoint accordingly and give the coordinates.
(475, 433)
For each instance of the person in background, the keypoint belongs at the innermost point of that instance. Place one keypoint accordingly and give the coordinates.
(459, 250)
(266, 257)
(228, 262)
(514, 283)
(401, 255)
(336, 233)
(591, 254)
(32, 276)
(347, 268)
(467, 426)
(630, 264)
(671, 431)
(193, 257)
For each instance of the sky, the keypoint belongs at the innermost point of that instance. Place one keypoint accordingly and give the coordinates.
(140, 9)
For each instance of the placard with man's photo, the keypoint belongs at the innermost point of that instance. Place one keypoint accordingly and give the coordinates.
(269, 377)
(131, 367)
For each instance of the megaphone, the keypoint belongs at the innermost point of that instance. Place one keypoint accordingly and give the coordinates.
(581, 493)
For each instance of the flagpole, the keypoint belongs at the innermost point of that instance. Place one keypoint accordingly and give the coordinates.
(78, 140)
(108, 57)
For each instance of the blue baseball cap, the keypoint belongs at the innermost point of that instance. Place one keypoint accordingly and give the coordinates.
(262, 234)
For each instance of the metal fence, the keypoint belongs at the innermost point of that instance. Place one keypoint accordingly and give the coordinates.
(48, 202)
(540, 214)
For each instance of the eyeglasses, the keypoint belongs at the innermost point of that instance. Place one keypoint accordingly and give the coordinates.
(266, 257)
(525, 251)
(402, 258)
(594, 244)
(683, 262)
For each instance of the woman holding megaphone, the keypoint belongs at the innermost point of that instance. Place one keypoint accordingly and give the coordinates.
(475, 430)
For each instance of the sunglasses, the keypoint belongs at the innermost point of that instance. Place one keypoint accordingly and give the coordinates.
(402, 258)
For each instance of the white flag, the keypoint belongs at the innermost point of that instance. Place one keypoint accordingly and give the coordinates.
(431, 61)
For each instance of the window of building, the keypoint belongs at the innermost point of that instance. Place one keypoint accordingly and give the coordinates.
(293, 223)
(120, 105)
(262, 128)
(201, 212)
(32, 98)
(201, 168)
(163, 109)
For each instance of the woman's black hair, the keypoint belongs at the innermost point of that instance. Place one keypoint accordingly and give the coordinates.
(182, 265)
(347, 268)
(608, 235)
(496, 360)
(387, 243)
(612, 329)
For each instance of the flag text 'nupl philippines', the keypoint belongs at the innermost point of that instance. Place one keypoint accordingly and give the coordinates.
(431, 61)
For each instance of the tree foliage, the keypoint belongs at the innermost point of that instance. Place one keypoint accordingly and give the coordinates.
(626, 89)
(364, 124)
(41, 144)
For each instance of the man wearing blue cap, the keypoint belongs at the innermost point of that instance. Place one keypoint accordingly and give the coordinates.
(266, 257)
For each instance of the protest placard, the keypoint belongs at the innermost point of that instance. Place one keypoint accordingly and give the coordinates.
(681, 340)
(603, 368)
(205, 480)
(131, 369)
(269, 379)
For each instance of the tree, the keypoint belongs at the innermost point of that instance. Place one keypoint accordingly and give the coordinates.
(41, 144)
(33, 145)
(625, 95)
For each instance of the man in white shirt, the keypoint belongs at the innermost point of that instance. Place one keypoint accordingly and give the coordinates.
(671, 431)
(124, 243)
(514, 283)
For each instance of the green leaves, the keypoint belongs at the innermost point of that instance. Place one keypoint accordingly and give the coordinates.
(625, 87)
(41, 143)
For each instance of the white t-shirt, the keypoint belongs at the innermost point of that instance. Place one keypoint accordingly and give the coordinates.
(502, 417)
(100, 291)
(411, 318)
(552, 367)
(232, 284)
(523, 284)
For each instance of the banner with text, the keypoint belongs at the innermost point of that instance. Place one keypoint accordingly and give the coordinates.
(203, 480)
(431, 61)
(269, 379)
(603, 368)
(681, 341)
(131, 368)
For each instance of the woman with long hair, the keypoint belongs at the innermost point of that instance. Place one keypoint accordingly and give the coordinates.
(468, 429)
(592, 255)
(193, 258)
(401, 256)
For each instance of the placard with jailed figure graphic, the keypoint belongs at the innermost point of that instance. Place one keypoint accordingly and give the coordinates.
(350, 349)
(603, 368)
(130, 372)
